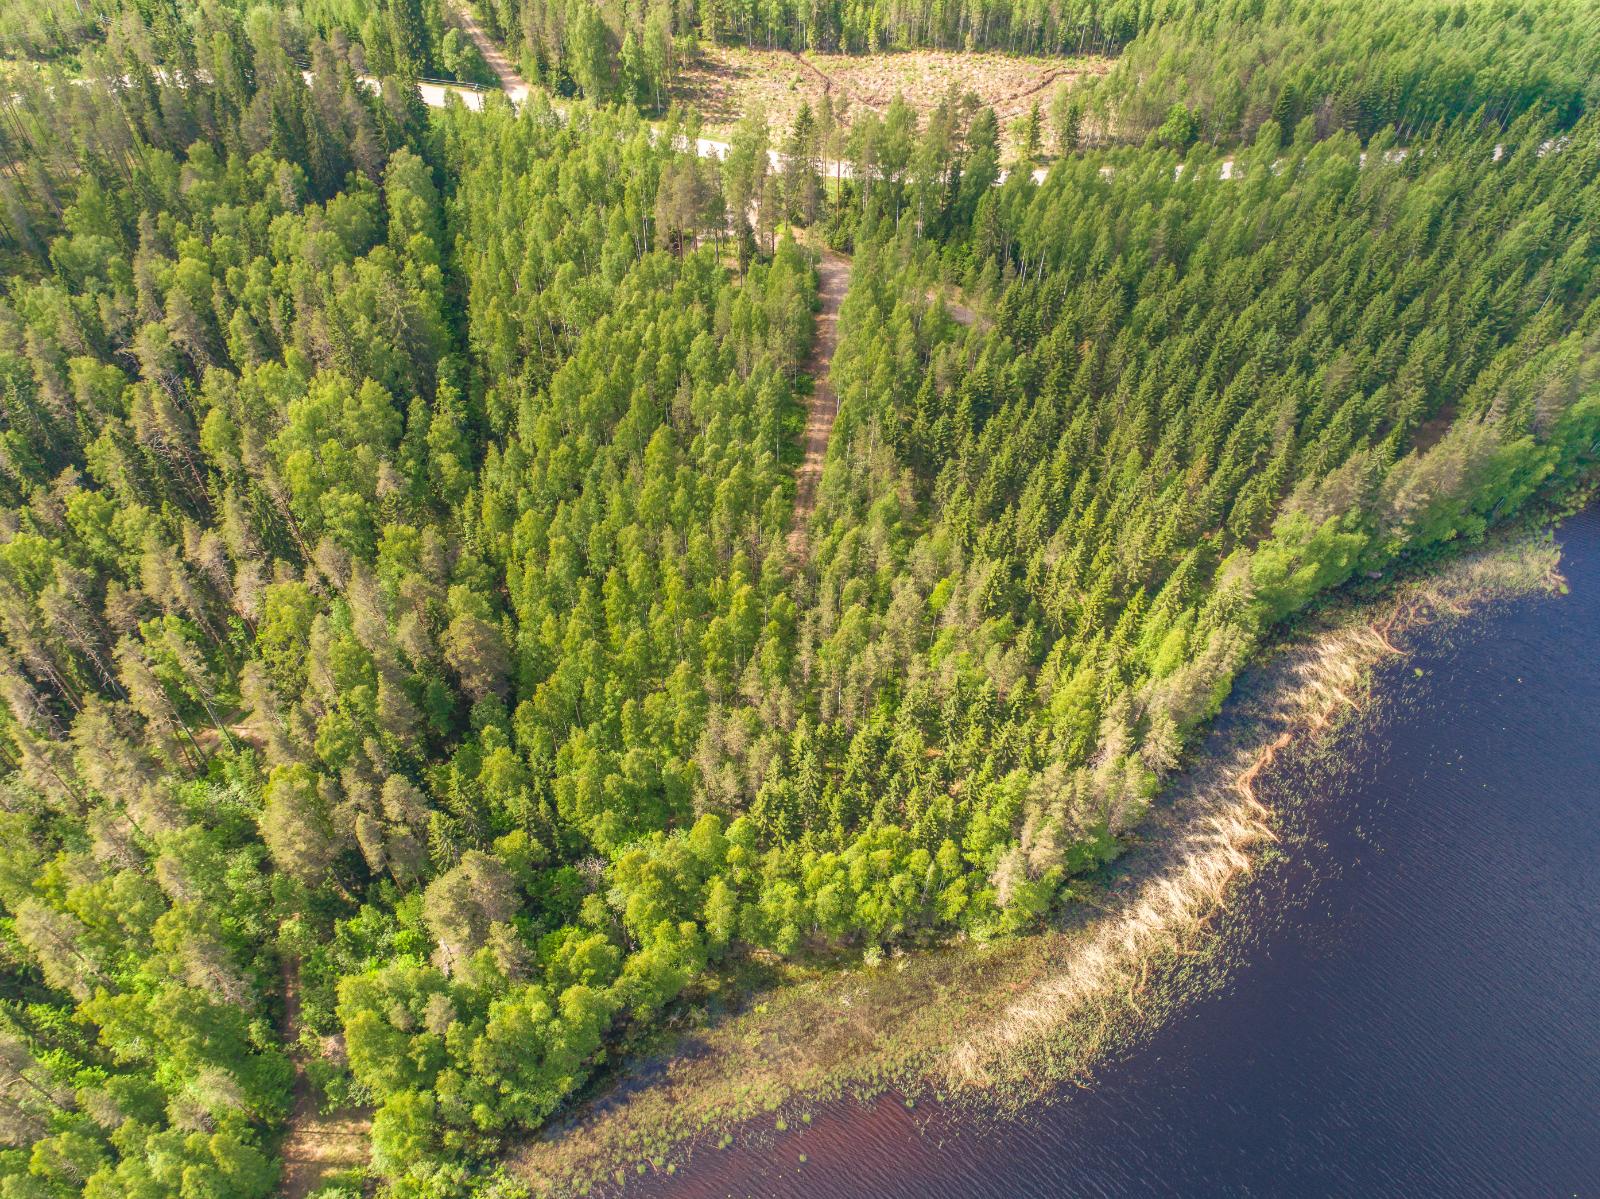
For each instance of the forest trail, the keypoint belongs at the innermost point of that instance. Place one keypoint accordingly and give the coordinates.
(833, 280)
(511, 81)
(830, 85)
(1048, 80)
(822, 76)
(317, 1143)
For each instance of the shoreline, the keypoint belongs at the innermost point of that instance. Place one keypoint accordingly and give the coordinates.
(1050, 1005)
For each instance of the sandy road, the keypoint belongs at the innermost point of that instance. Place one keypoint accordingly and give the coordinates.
(511, 82)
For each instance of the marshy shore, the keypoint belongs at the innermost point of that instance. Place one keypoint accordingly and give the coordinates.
(997, 1024)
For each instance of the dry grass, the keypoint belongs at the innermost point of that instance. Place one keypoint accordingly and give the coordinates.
(727, 82)
(1006, 1020)
(320, 1147)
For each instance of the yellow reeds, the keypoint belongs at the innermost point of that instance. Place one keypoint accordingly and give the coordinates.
(1220, 843)
(1118, 954)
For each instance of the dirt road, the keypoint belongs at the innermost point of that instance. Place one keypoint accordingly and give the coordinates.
(512, 83)
(833, 280)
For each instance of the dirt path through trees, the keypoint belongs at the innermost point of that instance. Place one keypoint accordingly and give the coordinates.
(317, 1143)
(833, 280)
(511, 82)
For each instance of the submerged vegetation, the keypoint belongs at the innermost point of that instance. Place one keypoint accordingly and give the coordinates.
(417, 689)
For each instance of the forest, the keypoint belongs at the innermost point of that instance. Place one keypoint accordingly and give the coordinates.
(414, 695)
(411, 39)
(1235, 64)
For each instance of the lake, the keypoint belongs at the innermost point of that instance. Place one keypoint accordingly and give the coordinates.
(1413, 1004)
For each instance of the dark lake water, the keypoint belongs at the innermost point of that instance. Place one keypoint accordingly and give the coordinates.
(1414, 1008)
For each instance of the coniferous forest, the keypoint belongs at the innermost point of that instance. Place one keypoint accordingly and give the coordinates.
(419, 680)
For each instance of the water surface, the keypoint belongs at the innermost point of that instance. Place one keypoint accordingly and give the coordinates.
(1413, 1007)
